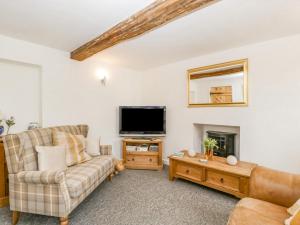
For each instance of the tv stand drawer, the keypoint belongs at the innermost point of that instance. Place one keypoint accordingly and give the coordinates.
(141, 159)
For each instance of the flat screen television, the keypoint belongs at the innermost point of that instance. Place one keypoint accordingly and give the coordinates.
(142, 120)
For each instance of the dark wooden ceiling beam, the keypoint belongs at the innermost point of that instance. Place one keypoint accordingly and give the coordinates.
(156, 14)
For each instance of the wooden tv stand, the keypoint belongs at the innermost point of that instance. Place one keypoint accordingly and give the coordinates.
(147, 159)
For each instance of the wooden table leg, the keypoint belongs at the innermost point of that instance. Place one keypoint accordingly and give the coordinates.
(63, 221)
(171, 170)
(110, 176)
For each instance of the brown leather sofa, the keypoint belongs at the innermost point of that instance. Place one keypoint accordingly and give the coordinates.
(271, 193)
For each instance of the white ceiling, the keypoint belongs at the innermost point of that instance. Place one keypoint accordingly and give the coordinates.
(63, 24)
(66, 24)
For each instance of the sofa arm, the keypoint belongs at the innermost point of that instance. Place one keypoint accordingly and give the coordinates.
(105, 149)
(41, 177)
(274, 186)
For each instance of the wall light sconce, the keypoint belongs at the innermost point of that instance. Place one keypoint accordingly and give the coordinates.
(102, 75)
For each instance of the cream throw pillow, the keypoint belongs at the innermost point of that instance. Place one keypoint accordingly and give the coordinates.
(294, 208)
(75, 147)
(93, 146)
(293, 220)
(51, 158)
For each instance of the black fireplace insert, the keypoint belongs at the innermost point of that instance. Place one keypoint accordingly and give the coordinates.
(225, 143)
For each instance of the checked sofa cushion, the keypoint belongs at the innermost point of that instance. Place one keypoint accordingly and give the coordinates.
(81, 177)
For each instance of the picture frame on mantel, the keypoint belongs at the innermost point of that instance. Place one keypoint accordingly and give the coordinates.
(218, 85)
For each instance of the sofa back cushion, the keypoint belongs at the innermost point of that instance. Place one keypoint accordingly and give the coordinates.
(74, 145)
(30, 139)
(274, 186)
(75, 130)
(20, 148)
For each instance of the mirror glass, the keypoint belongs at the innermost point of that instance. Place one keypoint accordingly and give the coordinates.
(218, 85)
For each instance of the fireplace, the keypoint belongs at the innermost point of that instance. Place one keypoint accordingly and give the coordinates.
(218, 130)
(225, 143)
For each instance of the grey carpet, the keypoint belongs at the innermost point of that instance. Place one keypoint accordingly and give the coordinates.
(141, 197)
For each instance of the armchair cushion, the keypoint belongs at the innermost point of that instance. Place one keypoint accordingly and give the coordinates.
(273, 186)
(250, 211)
(293, 220)
(41, 177)
(294, 208)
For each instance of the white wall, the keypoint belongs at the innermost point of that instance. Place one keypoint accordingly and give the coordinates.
(55, 66)
(97, 105)
(25, 103)
(70, 92)
(269, 126)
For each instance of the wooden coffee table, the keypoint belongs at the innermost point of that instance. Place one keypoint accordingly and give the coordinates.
(216, 173)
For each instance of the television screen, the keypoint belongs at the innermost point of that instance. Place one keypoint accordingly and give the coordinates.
(142, 120)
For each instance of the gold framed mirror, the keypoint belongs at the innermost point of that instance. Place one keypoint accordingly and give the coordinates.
(223, 84)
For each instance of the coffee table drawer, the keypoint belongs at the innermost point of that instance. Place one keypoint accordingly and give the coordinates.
(189, 171)
(223, 180)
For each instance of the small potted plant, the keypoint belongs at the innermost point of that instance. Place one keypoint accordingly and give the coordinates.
(10, 122)
(210, 144)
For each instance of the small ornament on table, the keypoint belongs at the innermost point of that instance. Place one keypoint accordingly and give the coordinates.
(179, 154)
(232, 160)
(33, 125)
(191, 153)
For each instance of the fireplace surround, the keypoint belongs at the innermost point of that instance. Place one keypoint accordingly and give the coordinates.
(227, 136)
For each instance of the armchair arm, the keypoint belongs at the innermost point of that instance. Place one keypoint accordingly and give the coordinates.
(41, 177)
(277, 187)
(105, 149)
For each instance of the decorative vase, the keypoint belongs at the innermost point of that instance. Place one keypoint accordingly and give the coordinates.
(209, 153)
(1, 130)
(33, 125)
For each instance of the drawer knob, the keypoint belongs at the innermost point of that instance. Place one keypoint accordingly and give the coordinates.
(187, 171)
(150, 160)
(132, 159)
(222, 180)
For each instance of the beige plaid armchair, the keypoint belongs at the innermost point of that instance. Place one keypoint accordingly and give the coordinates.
(51, 193)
